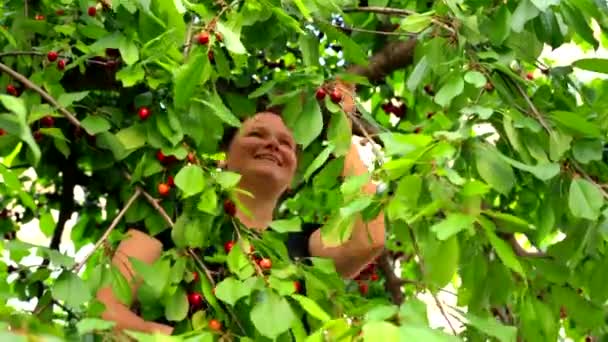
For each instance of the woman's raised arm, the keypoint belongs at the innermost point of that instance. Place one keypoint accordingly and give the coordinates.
(147, 249)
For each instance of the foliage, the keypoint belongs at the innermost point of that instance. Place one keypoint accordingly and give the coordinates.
(140, 91)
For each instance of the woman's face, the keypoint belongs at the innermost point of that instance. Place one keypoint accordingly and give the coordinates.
(264, 148)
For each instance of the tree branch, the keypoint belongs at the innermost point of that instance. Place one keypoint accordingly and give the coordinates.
(105, 235)
(379, 10)
(393, 283)
(521, 252)
(532, 107)
(395, 55)
(24, 80)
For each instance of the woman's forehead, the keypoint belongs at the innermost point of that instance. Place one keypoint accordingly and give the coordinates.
(265, 119)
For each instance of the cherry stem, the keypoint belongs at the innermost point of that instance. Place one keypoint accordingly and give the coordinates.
(105, 235)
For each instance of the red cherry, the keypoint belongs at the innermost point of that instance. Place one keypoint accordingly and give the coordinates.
(195, 277)
(203, 38)
(335, 96)
(12, 90)
(374, 277)
(60, 12)
(215, 325)
(39, 17)
(320, 94)
(47, 121)
(297, 286)
(160, 156)
(2, 132)
(61, 64)
(38, 136)
(143, 113)
(363, 288)
(164, 189)
(228, 246)
(530, 76)
(170, 181)
(195, 300)
(191, 157)
(52, 56)
(265, 263)
(92, 11)
(229, 207)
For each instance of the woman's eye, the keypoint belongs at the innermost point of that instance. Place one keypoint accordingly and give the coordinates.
(255, 134)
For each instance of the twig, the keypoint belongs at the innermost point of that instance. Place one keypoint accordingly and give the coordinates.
(356, 29)
(588, 178)
(105, 235)
(521, 252)
(202, 265)
(379, 10)
(532, 107)
(188, 42)
(44, 94)
(157, 206)
(393, 283)
(21, 53)
(423, 269)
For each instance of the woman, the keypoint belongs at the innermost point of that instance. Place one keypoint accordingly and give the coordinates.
(264, 153)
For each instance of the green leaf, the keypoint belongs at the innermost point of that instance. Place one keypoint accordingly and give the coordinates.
(72, 290)
(219, 109)
(188, 76)
(14, 104)
(88, 325)
(121, 287)
(352, 185)
(381, 313)
(94, 124)
(420, 71)
(312, 307)
(452, 88)
(353, 52)
(239, 263)
(271, 314)
(208, 201)
(47, 224)
(231, 38)
(544, 171)
(309, 123)
(585, 199)
(543, 5)
(318, 161)
(416, 22)
(452, 225)
(500, 26)
(67, 99)
(176, 306)
(155, 276)
(380, 331)
(493, 169)
(227, 179)
(230, 290)
(132, 137)
(339, 133)
(309, 45)
(409, 332)
(586, 151)
(191, 180)
(131, 75)
(578, 24)
(524, 12)
(592, 64)
(128, 51)
(475, 78)
(440, 259)
(293, 224)
(576, 123)
(502, 248)
(492, 327)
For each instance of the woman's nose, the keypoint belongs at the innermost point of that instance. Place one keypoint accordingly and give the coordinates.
(273, 143)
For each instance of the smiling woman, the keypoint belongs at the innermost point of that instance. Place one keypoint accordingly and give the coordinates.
(264, 152)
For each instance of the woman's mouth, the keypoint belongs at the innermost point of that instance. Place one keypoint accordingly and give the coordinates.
(270, 157)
